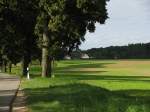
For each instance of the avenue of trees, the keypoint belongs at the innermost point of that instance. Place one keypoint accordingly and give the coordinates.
(40, 29)
(132, 51)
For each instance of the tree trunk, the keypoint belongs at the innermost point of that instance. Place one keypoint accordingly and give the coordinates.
(10, 66)
(1, 64)
(46, 60)
(4, 66)
(25, 64)
(40, 61)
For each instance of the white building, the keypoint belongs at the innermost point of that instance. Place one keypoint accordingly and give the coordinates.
(67, 57)
(85, 56)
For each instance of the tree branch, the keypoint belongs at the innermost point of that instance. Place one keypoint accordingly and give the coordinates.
(2, 4)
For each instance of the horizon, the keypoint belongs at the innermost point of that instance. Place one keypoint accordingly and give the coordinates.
(116, 45)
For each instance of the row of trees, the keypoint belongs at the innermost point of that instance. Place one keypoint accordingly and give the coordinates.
(132, 51)
(39, 29)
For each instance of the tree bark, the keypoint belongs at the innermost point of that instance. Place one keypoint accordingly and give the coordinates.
(46, 60)
(4, 66)
(25, 64)
(10, 66)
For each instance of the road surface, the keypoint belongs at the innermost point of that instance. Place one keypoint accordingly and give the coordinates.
(8, 88)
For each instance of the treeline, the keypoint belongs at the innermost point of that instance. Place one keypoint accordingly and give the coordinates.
(132, 51)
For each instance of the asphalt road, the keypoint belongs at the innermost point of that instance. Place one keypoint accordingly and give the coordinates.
(8, 87)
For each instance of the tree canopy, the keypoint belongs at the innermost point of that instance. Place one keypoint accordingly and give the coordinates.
(63, 23)
(68, 20)
(50, 24)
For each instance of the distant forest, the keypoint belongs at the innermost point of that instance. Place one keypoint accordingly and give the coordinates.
(132, 51)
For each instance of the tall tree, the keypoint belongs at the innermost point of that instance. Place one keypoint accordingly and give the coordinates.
(18, 19)
(26, 16)
(9, 41)
(63, 23)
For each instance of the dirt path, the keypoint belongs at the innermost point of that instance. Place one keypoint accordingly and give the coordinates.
(19, 104)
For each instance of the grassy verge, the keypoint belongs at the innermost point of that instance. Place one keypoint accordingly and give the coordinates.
(91, 86)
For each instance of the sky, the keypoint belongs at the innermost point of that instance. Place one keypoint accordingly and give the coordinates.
(129, 22)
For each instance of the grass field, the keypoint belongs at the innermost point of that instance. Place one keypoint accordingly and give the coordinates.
(91, 86)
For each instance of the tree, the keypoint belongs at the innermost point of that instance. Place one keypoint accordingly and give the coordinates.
(9, 40)
(26, 20)
(132, 51)
(63, 23)
(17, 21)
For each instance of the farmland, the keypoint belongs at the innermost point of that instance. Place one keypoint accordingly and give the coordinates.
(90, 86)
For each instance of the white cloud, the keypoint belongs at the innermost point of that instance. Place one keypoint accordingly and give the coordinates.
(128, 23)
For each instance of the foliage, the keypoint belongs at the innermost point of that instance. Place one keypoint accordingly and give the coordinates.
(64, 22)
(132, 51)
(68, 20)
(9, 38)
(17, 22)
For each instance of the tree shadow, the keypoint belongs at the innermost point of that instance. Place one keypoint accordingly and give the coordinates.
(87, 71)
(6, 98)
(72, 68)
(7, 77)
(85, 98)
(80, 69)
(19, 104)
(92, 71)
(105, 77)
(79, 97)
(82, 65)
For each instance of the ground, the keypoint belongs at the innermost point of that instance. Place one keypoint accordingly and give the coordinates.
(8, 88)
(90, 86)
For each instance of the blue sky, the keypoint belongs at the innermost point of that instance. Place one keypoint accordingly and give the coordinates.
(129, 22)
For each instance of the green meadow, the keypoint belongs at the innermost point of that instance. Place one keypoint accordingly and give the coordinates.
(90, 86)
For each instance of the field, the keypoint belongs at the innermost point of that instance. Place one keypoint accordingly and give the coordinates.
(90, 86)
